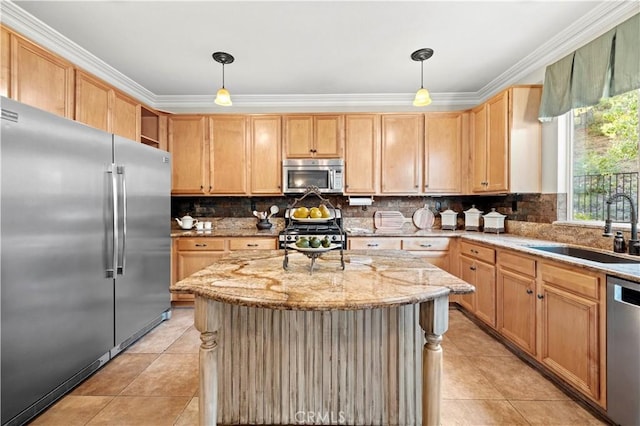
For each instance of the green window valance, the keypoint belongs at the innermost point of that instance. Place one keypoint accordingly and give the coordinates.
(607, 66)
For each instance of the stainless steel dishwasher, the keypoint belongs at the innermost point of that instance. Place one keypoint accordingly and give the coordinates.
(623, 351)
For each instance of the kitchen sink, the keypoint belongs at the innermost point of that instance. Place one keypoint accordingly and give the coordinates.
(586, 254)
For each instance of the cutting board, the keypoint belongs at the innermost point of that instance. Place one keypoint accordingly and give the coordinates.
(423, 218)
(388, 220)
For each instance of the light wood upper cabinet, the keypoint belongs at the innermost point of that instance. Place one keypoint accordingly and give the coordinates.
(443, 152)
(94, 102)
(506, 147)
(266, 154)
(362, 153)
(313, 136)
(402, 138)
(125, 117)
(228, 155)
(187, 137)
(5, 62)
(41, 79)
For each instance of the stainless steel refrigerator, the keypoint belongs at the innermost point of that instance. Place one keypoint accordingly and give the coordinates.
(85, 252)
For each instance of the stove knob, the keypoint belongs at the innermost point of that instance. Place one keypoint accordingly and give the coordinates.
(290, 237)
(334, 238)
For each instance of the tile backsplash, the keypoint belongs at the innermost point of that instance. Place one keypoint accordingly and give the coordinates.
(538, 208)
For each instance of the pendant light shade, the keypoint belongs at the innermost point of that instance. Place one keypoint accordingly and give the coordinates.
(223, 97)
(422, 95)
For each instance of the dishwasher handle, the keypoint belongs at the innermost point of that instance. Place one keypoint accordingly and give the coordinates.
(627, 294)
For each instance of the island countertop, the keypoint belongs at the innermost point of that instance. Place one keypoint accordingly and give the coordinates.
(371, 279)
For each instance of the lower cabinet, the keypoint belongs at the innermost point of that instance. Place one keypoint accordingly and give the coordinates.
(191, 254)
(516, 300)
(431, 249)
(572, 327)
(477, 267)
(554, 312)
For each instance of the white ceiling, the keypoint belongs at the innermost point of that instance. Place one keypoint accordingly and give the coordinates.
(319, 54)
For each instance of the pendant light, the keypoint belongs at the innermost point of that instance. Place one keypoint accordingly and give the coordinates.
(422, 95)
(223, 97)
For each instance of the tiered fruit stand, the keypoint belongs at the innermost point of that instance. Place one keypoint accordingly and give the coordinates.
(311, 252)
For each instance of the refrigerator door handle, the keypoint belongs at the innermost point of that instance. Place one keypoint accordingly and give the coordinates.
(122, 254)
(111, 271)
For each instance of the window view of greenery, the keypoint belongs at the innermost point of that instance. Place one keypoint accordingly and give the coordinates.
(605, 157)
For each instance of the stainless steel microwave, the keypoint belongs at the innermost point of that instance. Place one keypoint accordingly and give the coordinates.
(325, 174)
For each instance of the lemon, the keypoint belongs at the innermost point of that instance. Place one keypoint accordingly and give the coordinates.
(315, 213)
(301, 213)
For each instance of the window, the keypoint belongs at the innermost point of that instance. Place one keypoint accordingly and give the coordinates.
(604, 158)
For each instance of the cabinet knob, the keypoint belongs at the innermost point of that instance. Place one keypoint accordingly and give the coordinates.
(529, 291)
(252, 245)
(201, 187)
(540, 296)
(372, 245)
(201, 245)
(473, 268)
(425, 245)
(415, 186)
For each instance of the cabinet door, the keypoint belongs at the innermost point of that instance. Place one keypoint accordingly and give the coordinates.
(498, 143)
(468, 274)
(443, 153)
(93, 102)
(189, 262)
(362, 153)
(486, 293)
(327, 132)
(298, 136)
(228, 155)
(186, 143)
(516, 310)
(125, 119)
(570, 338)
(402, 137)
(5, 62)
(479, 149)
(266, 154)
(41, 79)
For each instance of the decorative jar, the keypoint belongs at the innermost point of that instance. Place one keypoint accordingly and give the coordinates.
(472, 219)
(449, 220)
(494, 222)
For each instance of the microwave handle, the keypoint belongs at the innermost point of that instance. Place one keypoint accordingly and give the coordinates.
(332, 176)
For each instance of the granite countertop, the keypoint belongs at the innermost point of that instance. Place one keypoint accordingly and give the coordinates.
(629, 271)
(371, 279)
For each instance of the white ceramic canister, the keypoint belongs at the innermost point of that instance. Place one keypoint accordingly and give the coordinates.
(449, 220)
(494, 222)
(472, 219)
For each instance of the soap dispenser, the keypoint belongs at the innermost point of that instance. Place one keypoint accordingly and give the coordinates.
(619, 245)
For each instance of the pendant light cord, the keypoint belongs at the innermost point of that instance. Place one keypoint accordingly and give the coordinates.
(223, 75)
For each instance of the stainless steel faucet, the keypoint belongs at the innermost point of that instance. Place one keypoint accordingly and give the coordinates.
(634, 244)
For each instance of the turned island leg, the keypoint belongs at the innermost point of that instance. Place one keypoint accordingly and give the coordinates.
(434, 319)
(207, 321)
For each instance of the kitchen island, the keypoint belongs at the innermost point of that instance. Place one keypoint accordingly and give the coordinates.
(335, 347)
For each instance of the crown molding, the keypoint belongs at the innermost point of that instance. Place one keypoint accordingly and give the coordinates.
(40, 33)
(601, 19)
(289, 103)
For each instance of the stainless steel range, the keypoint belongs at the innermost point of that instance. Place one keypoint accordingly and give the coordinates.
(306, 229)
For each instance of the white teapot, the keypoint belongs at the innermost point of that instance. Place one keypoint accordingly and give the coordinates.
(186, 222)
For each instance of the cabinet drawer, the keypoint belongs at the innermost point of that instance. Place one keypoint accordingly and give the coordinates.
(517, 263)
(430, 244)
(375, 244)
(478, 252)
(252, 244)
(568, 279)
(200, 244)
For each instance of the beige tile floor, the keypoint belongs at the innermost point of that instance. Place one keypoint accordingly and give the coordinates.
(155, 382)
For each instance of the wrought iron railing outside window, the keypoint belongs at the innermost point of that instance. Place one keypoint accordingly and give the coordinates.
(590, 193)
